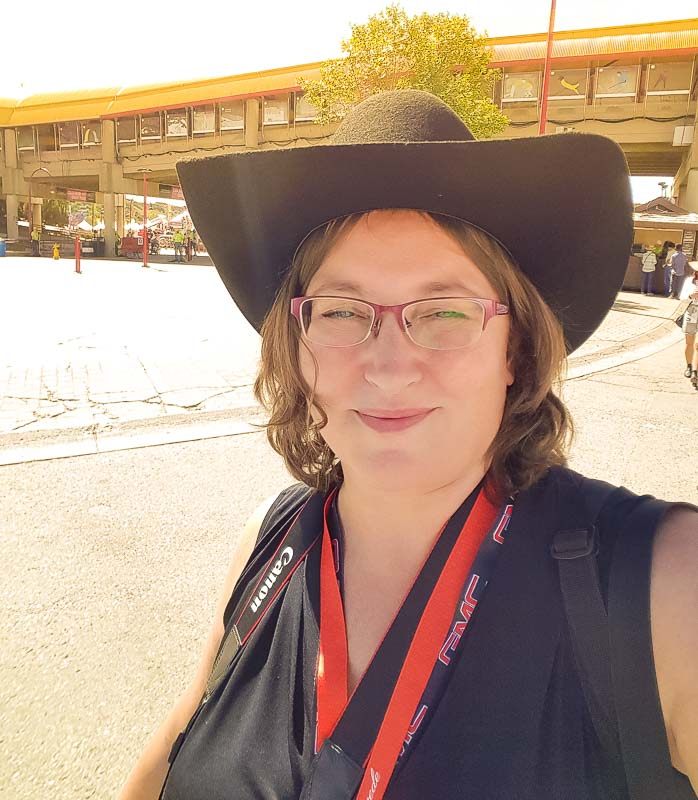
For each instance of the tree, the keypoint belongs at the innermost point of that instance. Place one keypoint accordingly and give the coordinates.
(55, 212)
(439, 53)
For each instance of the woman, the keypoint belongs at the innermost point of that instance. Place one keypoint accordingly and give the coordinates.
(395, 625)
(689, 326)
(649, 264)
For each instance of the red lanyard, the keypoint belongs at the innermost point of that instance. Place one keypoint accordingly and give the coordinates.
(332, 666)
(423, 652)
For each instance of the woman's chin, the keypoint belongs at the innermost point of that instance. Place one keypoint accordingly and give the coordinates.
(390, 467)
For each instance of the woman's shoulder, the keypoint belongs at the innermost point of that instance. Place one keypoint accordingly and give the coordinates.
(282, 509)
(605, 500)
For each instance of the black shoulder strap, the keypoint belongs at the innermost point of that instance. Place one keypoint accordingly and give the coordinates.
(575, 550)
(281, 511)
(615, 664)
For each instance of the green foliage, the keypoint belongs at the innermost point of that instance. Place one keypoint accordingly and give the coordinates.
(55, 212)
(439, 53)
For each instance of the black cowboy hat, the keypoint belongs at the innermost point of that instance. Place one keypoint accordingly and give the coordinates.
(560, 204)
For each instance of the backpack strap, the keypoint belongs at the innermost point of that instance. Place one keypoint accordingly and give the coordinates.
(615, 665)
(575, 550)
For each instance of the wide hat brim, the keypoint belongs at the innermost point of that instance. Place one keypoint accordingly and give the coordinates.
(560, 204)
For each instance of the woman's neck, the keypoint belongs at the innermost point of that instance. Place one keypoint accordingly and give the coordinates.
(380, 523)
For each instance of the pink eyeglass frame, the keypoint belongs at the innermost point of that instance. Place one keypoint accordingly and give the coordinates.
(492, 308)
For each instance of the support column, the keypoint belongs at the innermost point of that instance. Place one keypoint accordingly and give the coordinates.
(120, 215)
(11, 199)
(252, 122)
(12, 202)
(108, 140)
(37, 203)
(109, 225)
(688, 190)
(10, 148)
(689, 196)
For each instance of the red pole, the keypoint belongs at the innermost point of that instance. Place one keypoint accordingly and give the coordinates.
(546, 72)
(145, 219)
(77, 255)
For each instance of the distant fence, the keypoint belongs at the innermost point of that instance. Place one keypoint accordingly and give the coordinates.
(91, 248)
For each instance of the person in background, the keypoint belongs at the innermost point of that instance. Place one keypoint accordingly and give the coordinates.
(649, 265)
(35, 242)
(690, 328)
(666, 252)
(178, 240)
(677, 266)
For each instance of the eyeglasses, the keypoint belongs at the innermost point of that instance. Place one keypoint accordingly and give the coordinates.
(438, 323)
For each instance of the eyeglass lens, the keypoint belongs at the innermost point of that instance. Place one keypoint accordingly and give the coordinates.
(439, 324)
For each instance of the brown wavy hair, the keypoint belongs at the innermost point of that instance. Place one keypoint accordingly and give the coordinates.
(536, 427)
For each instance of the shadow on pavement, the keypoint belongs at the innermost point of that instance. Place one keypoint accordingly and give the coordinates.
(631, 305)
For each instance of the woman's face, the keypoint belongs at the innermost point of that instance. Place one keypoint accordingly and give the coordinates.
(455, 396)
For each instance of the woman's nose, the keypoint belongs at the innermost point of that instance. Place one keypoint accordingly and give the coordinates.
(392, 359)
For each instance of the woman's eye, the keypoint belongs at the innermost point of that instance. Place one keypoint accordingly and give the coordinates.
(339, 313)
(443, 314)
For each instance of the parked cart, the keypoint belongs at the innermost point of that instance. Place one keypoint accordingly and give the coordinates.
(131, 246)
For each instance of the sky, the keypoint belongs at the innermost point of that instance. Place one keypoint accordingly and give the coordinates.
(65, 46)
(68, 46)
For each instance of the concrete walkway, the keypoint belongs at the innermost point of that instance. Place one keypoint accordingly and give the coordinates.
(122, 356)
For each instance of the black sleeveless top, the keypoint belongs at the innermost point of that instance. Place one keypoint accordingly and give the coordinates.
(511, 724)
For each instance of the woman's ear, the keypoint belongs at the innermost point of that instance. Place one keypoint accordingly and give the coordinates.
(510, 372)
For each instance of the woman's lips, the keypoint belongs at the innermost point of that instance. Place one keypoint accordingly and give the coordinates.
(397, 421)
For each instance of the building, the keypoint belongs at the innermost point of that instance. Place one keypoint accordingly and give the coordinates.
(635, 83)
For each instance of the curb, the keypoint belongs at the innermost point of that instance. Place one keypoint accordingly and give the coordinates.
(90, 444)
(633, 349)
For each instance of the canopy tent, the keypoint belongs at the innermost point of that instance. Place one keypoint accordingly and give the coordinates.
(183, 217)
(137, 226)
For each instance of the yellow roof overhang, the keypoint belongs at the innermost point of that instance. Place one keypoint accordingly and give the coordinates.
(174, 95)
(660, 39)
(62, 107)
(664, 38)
(7, 107)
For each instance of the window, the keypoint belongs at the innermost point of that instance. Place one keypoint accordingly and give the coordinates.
(520, 87)
(305, 110)
(177, 123)
(204, 119)
(25, 139)
(617, 81)
(68, 135)
(568, 84)
(46, 137)
(232, 115)
(669, 78)
(151, 127)
(276, 110)
(91, 133)
(126, 130)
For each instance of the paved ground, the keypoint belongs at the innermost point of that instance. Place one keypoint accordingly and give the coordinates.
(120, 343)
(117, 343)
(112, 562)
